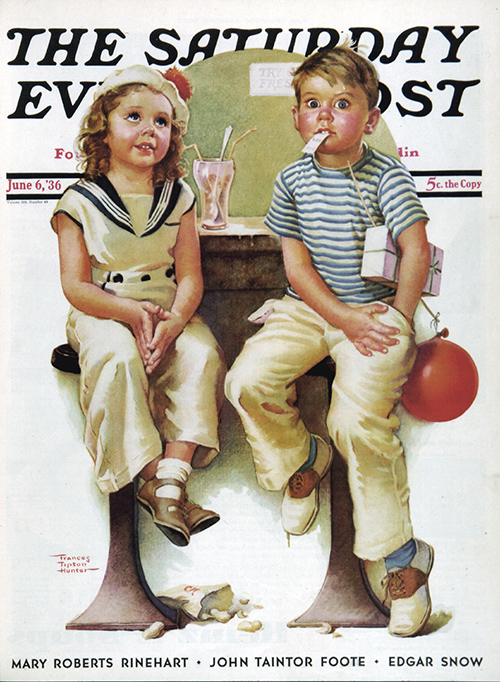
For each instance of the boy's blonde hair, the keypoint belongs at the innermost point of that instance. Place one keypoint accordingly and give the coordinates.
(340, 63)
(94, 151)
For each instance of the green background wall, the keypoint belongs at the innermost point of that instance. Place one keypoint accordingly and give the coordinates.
(222, 97)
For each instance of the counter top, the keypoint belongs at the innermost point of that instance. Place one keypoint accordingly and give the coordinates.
(239, 227)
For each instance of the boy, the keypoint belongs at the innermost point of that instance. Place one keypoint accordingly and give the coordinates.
(329, 310)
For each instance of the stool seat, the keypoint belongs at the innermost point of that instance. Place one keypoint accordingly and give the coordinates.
(65, 359)
(324, 368)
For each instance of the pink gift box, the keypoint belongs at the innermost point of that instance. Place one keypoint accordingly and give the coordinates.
(381, 261)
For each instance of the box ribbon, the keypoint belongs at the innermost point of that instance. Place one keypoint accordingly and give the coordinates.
(433, 268)
(394, 253)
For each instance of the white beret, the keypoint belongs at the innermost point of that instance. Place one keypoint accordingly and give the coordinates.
(148, 76)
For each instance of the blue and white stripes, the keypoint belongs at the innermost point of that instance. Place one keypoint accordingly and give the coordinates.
(321, 207)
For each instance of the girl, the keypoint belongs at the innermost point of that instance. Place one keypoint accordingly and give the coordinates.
(151, 371)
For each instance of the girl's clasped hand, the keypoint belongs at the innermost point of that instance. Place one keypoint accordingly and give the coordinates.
(154, 329)
(168, 327)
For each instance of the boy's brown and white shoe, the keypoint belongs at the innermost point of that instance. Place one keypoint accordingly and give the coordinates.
(409, 592)
(301, 497)
(167, 512)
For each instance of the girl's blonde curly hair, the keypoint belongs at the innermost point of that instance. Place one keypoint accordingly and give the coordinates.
(95, 153)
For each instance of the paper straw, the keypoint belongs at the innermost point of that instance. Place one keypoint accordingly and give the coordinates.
(227, 135)
(194, 146)
(252, 130)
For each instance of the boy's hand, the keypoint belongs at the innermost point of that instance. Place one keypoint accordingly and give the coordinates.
(167, 330)
(366, 333)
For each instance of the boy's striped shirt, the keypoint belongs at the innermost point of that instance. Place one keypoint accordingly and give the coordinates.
(321, 207)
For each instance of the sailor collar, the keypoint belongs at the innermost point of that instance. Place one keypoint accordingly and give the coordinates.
(105, 197)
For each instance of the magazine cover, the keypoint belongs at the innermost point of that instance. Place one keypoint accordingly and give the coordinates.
(248, 350)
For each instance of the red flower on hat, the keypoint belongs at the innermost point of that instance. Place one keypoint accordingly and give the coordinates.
(180, 80)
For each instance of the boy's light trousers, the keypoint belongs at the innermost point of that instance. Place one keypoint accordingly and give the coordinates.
(361, 423)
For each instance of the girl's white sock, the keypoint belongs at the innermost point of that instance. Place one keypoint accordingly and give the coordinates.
(170, 467)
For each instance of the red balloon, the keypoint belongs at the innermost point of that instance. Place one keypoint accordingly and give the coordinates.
(443, 383)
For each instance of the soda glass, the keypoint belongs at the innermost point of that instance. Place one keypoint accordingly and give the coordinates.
(213, 178)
